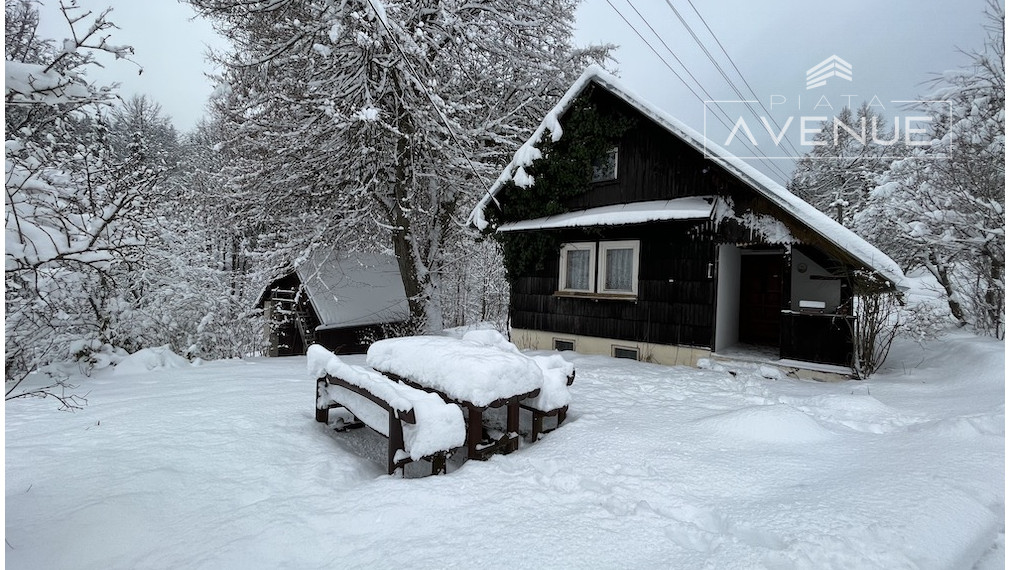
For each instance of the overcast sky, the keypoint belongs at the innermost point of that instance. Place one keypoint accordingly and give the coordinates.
(893, 47)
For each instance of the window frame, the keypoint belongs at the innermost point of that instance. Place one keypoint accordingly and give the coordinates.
(557, 342)
(602, 248)
(629, 351)
(591, 266)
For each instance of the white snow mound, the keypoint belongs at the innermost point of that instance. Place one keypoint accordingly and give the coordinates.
(148, 359)
(776, 423)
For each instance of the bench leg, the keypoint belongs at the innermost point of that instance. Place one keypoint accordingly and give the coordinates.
(322, 414)
(396, 443)
(439, 463)
(474, 430)
(513, 416)
(513, 425)
(537, 425)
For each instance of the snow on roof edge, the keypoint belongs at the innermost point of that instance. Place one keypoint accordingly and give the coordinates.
(817, 221)
(688, 208)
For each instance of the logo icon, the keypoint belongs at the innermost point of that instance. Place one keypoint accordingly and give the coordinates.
(834, 66)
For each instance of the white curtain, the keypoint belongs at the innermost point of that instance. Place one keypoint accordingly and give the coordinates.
(577, 269)
(618, 270)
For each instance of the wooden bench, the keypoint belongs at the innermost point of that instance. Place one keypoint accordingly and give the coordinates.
(479, 444)
(474, 376)
(552, 398)
(536, 407)
(385, 406)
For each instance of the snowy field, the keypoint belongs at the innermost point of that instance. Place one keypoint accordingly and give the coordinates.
(222, 465)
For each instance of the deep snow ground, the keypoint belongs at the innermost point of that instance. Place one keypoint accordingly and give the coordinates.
(223, 466)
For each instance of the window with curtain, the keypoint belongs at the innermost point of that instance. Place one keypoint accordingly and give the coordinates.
(576, 271)
(610, 268)
(618, 270)
(619, 267)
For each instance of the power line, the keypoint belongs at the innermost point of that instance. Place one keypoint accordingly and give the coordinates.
(417, 79)
(663, 60)
(720, 69)
(757, 151)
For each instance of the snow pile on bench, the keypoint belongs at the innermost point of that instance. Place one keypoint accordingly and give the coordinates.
(555, 370)
(438, 426)
(464, 370)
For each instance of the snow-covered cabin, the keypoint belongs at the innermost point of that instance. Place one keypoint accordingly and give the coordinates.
(336, 300)
(669, 248)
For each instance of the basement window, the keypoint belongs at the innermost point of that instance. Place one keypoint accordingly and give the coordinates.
(625, 352)
(562, 344)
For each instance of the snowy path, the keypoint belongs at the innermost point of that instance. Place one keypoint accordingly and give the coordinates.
(223, 466)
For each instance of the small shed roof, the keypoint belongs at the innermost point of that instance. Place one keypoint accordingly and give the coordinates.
(818, 222)
(348, 290)
(694, 208)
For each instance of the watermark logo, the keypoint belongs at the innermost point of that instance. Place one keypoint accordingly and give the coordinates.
(791, 126)
(834, 66)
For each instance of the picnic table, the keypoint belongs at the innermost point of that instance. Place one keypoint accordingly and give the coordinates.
(475, 376)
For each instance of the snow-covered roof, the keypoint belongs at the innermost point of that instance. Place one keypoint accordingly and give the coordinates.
(353, 289)
(818, 222)
(693, 208)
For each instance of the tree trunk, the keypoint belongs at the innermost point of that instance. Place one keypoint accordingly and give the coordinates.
(940, 272)
(402, 235)
(995, 294)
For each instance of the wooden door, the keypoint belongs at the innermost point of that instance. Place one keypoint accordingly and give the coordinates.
(761, 299)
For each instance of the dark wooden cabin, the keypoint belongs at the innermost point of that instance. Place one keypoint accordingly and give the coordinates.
(627, 233)
(337, 301)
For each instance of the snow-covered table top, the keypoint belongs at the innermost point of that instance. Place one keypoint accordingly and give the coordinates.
(463, 370)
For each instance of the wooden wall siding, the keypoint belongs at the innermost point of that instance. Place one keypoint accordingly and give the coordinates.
(665, 312)
(653, 164)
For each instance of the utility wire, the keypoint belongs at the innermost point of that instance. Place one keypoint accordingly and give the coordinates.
(663, 60)
(767, 159)
(445, 120)
(731, 60)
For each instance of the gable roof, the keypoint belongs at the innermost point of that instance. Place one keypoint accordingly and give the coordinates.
(814, 219)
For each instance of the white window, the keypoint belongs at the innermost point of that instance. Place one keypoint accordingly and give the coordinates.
(606, 167)
(576, 267)
(618, 267)
(607, 268)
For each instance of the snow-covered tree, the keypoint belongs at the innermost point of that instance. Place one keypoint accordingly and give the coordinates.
(943, 207)
(837, 175)
(139, 120)
(70, 202)
(371, 125)
(200, 295)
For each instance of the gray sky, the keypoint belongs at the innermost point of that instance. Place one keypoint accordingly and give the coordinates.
(169, 45)
(893, 47)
